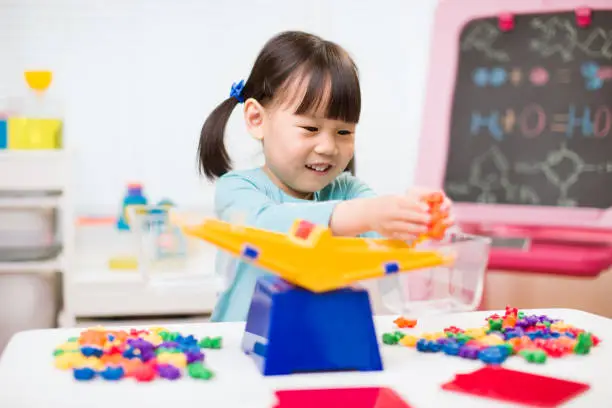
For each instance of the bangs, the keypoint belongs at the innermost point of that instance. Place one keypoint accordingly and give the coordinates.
(326, 86)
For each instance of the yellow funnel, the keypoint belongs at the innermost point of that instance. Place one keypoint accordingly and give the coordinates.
(38, 80)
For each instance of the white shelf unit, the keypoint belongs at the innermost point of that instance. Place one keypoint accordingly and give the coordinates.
(36, 172)
(97, 292)
(90, 289)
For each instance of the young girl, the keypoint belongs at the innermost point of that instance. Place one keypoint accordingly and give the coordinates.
(302, 100)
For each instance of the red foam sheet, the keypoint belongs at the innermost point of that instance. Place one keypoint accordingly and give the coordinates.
(367, 397)
(516, 386)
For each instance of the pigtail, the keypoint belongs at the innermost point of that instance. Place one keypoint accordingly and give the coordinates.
(213, 159)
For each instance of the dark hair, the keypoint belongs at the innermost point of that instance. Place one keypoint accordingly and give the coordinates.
(287, 57)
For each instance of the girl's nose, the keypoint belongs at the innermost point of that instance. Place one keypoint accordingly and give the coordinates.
(326, 145)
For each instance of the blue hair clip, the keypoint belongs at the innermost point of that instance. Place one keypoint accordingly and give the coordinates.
(236, 91)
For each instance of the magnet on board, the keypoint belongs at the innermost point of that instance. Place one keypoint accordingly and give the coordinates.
(584, 16)
(506, 22)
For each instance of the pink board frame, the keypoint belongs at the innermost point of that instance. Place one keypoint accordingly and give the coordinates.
(450, 18)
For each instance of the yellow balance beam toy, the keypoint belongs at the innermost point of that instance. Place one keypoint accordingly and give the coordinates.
(312, 258)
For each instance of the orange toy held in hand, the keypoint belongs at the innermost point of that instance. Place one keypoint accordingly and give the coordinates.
(439, 218)
(437, 227)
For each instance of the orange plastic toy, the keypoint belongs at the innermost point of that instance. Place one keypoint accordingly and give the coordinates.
(437, 227)
(404, 323)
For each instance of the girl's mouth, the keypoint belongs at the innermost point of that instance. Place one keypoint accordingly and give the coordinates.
(319, 168)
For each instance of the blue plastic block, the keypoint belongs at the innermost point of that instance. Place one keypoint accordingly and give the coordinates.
(292, 330)
(250, 252)
(391, 267)
(3, 134)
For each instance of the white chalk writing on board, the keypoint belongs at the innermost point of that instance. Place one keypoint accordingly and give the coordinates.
(560, 36)
(482, 38)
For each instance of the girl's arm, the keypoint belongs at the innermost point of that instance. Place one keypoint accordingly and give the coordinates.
(352, 217)
(352, 209)
(239, 199)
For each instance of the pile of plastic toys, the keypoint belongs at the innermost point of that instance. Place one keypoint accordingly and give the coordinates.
(535, 338)
(140, 354)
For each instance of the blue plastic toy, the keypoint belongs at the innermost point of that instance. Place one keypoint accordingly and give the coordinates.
(451, 348)
(134, 196)
(89, 351)
(84, 373)
(428, 346)
(112, 373)
(292, 330)
(493, 355)
(3, 134)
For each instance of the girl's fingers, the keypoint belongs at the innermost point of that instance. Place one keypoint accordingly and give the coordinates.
(400, 228)
(413, 204)
(414, 217)
(419, 192)
(414, 210)
(446, 204)
(405, 237)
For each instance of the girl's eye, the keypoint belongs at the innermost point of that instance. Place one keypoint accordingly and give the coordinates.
(310, 128)
(344, 132)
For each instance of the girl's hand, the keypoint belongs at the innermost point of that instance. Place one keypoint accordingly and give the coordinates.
(398, 216)
(403, 217)
(422, 193)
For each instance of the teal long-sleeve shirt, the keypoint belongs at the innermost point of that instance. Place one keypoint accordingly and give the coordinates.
(251, 198)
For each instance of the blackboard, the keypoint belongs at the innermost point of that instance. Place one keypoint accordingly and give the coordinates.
(531, 120)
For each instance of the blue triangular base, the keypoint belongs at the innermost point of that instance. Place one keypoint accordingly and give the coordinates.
(292, 330)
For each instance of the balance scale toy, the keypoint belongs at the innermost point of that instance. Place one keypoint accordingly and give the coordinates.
(306, 317)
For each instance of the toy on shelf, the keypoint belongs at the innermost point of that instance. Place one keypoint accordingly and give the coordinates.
(162, 239)
(123, 263)
(147, 231)
(133, 197)
(38, 81)
(309, 304)
(3, 132)
(153, 240)
(37, 129)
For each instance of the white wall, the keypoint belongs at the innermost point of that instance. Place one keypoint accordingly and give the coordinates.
(136, 78)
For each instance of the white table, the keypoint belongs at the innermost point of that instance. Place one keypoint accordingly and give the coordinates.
(28, 377)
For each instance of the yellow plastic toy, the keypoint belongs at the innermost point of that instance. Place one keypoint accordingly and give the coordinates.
(312, 258)
(38, 80)
(35, 133)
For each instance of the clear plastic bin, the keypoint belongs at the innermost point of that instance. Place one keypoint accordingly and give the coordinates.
(163, 251)
(454, 288)
(28, 301)
(28, 234)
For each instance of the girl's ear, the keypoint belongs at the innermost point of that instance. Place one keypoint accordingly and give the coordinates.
(254, 114)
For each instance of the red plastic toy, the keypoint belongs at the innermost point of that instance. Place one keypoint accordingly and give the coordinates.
(515, 386)
(368, 397)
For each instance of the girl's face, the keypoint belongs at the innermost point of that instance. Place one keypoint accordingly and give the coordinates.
(303, 153)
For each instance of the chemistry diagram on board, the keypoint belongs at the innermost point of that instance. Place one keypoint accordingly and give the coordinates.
(532, 112)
